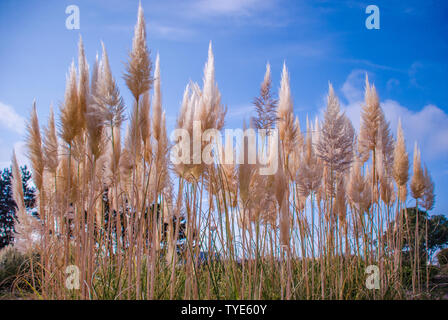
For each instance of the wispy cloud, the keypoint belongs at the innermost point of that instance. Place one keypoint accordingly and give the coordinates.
(412, 72)
(188, 19)
(10, 119)
(167, 31)
(170, 31)
(370, 64)
(240, 110)
(233, 7)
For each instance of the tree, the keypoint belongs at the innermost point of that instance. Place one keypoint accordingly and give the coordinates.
(437, 233)
(8, 206)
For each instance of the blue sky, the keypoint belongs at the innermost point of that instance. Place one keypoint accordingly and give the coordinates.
(320, 41)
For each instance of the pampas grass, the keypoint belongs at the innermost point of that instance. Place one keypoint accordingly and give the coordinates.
(141, 227)
(265, 104)
(139, 67)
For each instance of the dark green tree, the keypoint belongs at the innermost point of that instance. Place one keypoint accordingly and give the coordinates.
(8, 206)
(437, 233)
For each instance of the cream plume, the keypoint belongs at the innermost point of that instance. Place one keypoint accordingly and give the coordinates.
(108, 105)
(428, 198)
(138, 70)
(417, 181)
(401, 161)
(285, 114)
(50, 144)
(83, 82)
(358, 189)
(157, 101)
(265, 104)
(210, 111)
(71, 123)
(34, 144)
(309, 173)
(25, 227)
(144, 119)
(335, 145)
(370, 121)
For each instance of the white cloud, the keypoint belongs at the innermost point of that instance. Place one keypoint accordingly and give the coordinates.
(352, 86)
(21, 151)
(169, 31)
(10, 119)
(4, 164)
(426, 126)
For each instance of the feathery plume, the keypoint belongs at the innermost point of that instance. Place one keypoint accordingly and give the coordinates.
(417, 181)
(50, 144)
(96, 74)
(115, 154)
(162, 156)
(309, 173)
(428, 197)
(183, 107)
(159, 132)
(370, 122)
(70, 116)
(401, 161)
(108, 103)
(358, 189)
(335, 145)
(144, 119)
(285, 114)
(17, 187)
(132, 144)
(138, 70)
(25, 226)
(34, 144)
(83, 82)
(385, 143)
(157, 100)
(95, 130)
(387, 194)
(210, 111)
(340, 205)
(265, 104)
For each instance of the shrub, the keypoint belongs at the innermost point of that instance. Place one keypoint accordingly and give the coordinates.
(15, 270)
